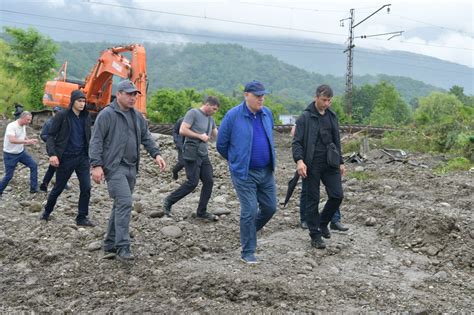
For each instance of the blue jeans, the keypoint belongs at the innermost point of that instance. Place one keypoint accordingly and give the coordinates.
(10, 161)
(257, 196)
(120, 185)
(68, 164)
(335, 218)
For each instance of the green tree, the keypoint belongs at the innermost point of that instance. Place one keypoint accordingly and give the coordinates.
(11, 90)
(337, 106)
(389, 108)
(447, 122)
(458, 91)
(168, 105)
(363, 100)
(31, 60)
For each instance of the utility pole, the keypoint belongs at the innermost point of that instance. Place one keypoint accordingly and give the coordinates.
(350, 60)
(350, 56)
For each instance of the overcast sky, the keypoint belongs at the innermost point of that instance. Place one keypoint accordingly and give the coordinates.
(441, 29)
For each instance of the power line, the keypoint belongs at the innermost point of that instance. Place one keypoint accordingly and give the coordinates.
(278, 43)
(438, 26)
(173, 32)
(214, 19)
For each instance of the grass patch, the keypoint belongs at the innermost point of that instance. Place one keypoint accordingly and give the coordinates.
(456, 164)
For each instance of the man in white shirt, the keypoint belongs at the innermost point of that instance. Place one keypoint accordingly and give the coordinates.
(14, 152)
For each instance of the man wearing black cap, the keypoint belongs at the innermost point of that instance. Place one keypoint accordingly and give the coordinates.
(245, 140)
(115, 155)
(67, 145)
(44, 136)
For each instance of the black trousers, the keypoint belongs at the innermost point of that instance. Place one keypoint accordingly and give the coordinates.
(201, 169)
(331, 177)
(180, 164)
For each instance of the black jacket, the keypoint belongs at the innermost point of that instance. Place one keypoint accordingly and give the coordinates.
(307, 125)
(60, 129)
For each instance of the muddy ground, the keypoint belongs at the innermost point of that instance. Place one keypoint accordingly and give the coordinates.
(409, 248)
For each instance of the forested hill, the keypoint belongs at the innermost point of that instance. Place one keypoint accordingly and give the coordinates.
(225, 67)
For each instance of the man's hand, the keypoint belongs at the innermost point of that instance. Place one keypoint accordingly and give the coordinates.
(301, 168)
(159, 160)
(31, 141)
(204, 137)
(342, 168)
(97, 174)
(54, 161)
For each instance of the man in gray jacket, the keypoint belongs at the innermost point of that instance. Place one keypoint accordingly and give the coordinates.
(115, 155)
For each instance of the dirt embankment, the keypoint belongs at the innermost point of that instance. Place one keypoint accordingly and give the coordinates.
(415, 255)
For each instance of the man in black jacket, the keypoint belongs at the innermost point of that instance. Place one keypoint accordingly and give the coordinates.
(44, 136)
(67, 146)
(317, 129)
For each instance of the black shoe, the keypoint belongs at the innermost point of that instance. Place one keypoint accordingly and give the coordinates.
(44, 217)
(124, 254)
(338, 227)
(167, 207)
(304, 225)
(175, 175)
(84, 222)
(112, 250)
(207, 217)
(318, 243)
(325, 231)
(109, 253)
(34, 191)
(44, 187)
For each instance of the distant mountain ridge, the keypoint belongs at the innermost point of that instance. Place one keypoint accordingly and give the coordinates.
(226, 66)
(327, 58)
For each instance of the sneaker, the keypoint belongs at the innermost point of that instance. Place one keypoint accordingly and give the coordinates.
(124, 254)
(249, 259)
(34, 191)
(44, 187)
(207, 217)
(338, 226)
(325, 231)
(318, 243)
(84, 222)
(167, 207)
(304, 225)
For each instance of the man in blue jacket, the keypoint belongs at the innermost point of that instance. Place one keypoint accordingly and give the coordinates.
(245, 140)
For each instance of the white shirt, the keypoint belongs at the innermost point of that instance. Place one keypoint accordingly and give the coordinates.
(14, 129)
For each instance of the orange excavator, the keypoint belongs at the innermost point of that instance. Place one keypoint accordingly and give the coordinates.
(98, 84)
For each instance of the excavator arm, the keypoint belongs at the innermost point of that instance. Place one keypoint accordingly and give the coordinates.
(98, 84)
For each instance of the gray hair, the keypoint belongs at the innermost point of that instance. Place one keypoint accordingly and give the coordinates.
(25, 113)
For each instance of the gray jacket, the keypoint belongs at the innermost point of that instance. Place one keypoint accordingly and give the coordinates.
(107, 143)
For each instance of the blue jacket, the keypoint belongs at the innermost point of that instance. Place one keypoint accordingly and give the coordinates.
(234, 140)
